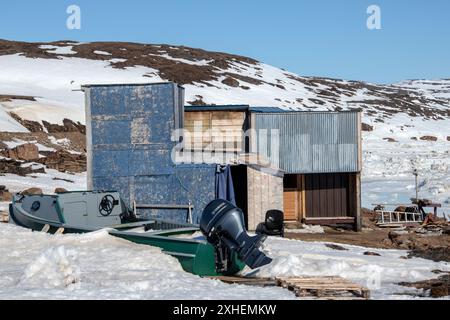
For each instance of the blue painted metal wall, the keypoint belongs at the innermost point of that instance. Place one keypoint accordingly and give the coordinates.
(129, 146)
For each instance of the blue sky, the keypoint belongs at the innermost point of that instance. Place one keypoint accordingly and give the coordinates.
(316, 38)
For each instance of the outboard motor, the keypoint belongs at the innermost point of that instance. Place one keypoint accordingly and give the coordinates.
(223, 225)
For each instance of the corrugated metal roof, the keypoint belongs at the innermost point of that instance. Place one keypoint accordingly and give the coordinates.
(311, 142)
(267, 109)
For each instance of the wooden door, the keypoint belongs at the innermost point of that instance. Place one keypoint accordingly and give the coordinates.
(327, 195)
(291, 202)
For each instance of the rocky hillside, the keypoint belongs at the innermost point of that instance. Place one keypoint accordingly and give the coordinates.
(40, 98)
(210, 78)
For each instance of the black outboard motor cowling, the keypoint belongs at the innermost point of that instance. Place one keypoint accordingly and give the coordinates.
(223, 225)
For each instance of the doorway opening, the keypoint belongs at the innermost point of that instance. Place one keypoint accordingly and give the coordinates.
(239, 175)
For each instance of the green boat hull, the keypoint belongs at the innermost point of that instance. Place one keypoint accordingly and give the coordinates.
(196, 256)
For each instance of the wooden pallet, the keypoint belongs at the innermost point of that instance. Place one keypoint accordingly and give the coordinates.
(322, 288)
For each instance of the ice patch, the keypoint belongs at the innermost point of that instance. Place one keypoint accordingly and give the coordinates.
(58, 50)
(102, 53)
(54, 268)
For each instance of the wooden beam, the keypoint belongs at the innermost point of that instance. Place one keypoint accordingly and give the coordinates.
(330, 220)
(303, 195)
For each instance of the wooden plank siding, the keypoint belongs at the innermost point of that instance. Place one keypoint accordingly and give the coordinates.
(291, 202)
(327, 195)
(321, 197)
(220, 130)
(330, 195)
(265, 192)
(294, 197)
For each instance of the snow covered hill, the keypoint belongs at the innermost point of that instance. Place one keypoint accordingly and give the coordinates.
(41, 82)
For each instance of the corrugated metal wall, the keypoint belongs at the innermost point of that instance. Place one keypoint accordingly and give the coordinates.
(311, 142)
(129, 148)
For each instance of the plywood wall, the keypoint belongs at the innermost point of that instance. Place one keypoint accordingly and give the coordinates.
(265, 192)
(221, 130)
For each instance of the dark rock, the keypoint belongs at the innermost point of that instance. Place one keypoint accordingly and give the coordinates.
(335, 247)
(71, 126)
(198, 101)
(52, 128)
(231, 82)
(366, 127)
(370, 253)
(68, 126)
(2, 188)
(64, 161)
(15, 167)
(9, 97)
(436, 254)
(60, 190)
(448, 138)
(438, 288)
(437, 271)
(390, 139)
(414, 138)
(428, 138)
(32, 191)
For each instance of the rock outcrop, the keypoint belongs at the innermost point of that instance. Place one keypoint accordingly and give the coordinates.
(15, 167)
(68, 126)
(32, 126)
(64, 161)
(27, 151)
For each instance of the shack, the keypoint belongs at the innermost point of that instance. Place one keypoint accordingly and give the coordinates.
(317, 154)
(164, 157)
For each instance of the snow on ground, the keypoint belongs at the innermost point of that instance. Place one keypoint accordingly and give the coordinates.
(58, 50)
(387, 175)
(44, 266)
(379, 273)
(102, 53)
(8, 124)
(37, 265)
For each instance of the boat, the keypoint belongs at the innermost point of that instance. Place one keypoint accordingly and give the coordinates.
(87, 211)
